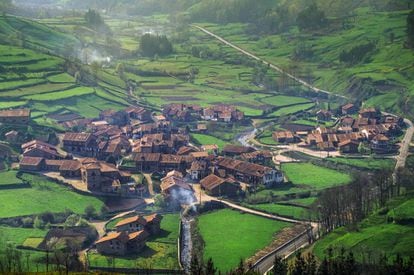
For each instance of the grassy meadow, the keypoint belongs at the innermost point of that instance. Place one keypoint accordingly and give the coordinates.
(42, 195)
(228, 230)
(314, 177)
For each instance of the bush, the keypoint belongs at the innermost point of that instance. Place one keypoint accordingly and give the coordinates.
(27, 222)
(38, 223)
(90, 212)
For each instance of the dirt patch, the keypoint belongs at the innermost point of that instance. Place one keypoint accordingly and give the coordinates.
(180, 98)
(118, 204)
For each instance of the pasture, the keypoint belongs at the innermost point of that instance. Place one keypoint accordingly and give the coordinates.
(43, 195)
(228, 230)
(314, 177)
(202, 139)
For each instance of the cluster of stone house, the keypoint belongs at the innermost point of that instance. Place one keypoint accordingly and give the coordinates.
(185, 112)
(130, 236)
(38, 156)
(368, 127)
(151, 144)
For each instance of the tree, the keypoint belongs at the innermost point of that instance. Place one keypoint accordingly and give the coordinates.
(299, 266)
(196, 267)
(159, 201)
(152, 45)
(280, 266)
(311, 18)
(410, 29)
(210, 269)
(38, 223)
(90, 211)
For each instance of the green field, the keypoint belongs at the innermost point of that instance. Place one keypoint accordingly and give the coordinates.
(8, 178)
(284, 210)
(315, 177)
(242, 234)
(161, 251)
(202, 139)
(43, 195)
(368, 163)
(377, 235)
(291, 110)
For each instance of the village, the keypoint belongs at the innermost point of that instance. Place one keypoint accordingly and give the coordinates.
(354, 131)
(104, 153)
(102, 156)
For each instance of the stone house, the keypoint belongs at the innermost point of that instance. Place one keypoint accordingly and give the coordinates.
(122, 243)
(217, 186)
(16, 116)
(83, 144)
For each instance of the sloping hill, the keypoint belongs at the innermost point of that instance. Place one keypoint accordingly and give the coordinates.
(30, 34)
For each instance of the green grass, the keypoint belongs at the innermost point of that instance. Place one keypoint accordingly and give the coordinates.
(12, 104)
(305, 201)
(201, 139)
(368, 163)
(18, 236)
(291, 110)
(230, 236)
(283, 210)
(405, 211)
(314, 176)
(161, 251)
(79, 91)
(282, 100)
(9, 177)
(43, 195)
(376, 235)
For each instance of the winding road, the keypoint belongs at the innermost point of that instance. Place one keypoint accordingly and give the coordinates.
(267, 264)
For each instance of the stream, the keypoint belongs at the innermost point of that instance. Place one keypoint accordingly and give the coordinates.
(186, 243)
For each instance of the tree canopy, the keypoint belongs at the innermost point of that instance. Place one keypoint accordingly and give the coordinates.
(151, 45)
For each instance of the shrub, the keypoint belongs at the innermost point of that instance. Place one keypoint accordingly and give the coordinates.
(27, 222)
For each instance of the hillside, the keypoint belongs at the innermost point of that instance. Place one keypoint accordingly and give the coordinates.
(28, 33)
(46, 83)
(382, 77)
(389, 232)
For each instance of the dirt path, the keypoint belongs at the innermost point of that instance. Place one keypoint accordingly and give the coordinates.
(150, 184)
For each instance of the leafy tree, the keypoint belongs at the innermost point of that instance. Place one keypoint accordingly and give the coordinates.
(93, 19)
(410, 29)
(38, 223)
(90, 211)
(280, 266)
(311, 18)
(299, 266)
(152, 45)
